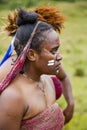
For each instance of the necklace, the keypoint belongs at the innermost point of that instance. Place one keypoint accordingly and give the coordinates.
(40, 85)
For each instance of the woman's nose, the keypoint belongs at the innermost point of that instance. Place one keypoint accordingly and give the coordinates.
(58, 56)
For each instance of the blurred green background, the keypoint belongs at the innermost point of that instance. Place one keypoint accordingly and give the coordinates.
(73, 49)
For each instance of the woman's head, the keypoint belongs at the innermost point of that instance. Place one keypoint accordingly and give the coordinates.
(25, 22)
(48, 61)
(29, 33)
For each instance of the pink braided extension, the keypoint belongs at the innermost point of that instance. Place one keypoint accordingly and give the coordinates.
(18, 64)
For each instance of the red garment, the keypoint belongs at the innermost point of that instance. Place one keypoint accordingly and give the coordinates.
(50, 119)
(58, 86)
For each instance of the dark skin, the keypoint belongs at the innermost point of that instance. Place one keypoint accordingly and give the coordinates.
(24, 87)
(67, 92)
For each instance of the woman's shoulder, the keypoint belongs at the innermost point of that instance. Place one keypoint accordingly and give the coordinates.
(53, 82)
(11, 59)
(47, 77)
(47, 80)
(12, 104)
(11, 96)
(6, 66)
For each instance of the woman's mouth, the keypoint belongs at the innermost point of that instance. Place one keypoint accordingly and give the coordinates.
(58, 66)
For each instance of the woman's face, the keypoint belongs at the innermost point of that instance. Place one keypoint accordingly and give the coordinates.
(49, 58)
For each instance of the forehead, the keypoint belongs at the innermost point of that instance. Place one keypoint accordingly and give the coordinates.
(51, 39)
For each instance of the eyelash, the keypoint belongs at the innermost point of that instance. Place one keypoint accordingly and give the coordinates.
(54, 51)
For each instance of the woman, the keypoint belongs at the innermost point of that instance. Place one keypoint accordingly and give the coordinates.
(28, 95)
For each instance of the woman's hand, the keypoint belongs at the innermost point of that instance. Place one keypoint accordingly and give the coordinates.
(67, 92)
(68, 113)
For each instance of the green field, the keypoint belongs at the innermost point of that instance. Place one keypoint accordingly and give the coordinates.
(74, 51)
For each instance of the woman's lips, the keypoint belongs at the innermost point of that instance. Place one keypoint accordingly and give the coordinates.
(58, 66)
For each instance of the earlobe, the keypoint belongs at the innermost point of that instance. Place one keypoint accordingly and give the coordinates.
(31, 55)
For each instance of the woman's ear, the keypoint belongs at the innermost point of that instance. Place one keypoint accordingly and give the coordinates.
(32, 55)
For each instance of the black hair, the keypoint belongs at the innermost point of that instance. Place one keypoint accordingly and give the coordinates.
(26, 22)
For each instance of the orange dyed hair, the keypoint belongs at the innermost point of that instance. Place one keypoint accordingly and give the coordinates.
(51, 15)
(11, 26)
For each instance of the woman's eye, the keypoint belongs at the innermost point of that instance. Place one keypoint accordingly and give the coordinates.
(54, 51)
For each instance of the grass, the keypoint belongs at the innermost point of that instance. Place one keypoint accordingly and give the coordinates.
(74, 51)
(73, 48)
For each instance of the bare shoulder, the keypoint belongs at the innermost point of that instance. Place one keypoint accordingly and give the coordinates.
(10, 98)
(11, 109)
(49, 88)
(6, 67)
(48, 81)
(9, 61)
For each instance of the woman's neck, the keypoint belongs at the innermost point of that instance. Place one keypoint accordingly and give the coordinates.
(31, 72)
(32, 76)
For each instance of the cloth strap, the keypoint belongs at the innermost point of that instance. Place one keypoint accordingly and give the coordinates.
(18, 64)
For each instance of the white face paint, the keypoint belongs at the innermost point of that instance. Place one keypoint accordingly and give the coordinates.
(50, 62)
